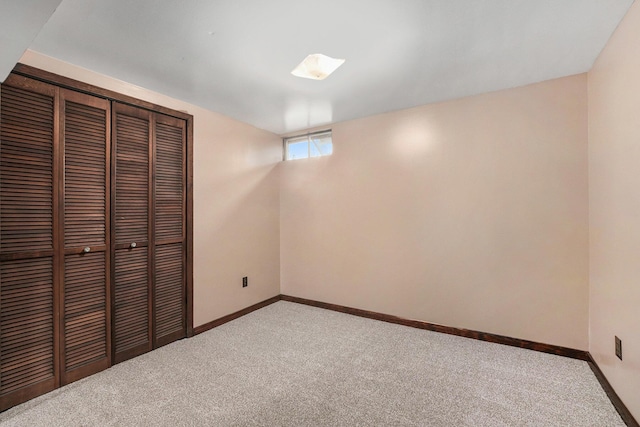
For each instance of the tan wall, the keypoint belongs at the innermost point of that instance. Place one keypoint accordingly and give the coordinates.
(236, 207)
(470, 213)
(614, 208)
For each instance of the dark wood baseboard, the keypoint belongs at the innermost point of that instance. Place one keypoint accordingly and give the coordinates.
(467, 333)
(622, 409)
(214, 323)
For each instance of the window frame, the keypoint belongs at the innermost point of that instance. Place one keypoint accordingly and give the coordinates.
(308, 136)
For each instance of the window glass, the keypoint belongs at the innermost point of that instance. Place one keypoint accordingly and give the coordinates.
(320, 145)
(313, 145)
(297, 149)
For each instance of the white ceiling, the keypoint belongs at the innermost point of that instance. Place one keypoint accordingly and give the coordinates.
(235, 56)
(20, 22)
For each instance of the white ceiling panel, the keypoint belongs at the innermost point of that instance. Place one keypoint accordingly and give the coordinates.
(235, 56)
(20, 22)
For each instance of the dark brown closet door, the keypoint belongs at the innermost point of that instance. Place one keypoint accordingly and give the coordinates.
(86, 328)
(131, 199)
(169, 247)
(29, 274)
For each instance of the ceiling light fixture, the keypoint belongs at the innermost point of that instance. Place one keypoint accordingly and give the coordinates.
(317, 67)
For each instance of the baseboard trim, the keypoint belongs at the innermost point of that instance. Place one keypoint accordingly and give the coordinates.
(214, 323)
(467, 333)
(622, 409)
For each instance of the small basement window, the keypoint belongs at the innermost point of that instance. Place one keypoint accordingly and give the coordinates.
(315, 144)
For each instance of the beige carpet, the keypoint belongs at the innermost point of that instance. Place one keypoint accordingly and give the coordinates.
(293, 365)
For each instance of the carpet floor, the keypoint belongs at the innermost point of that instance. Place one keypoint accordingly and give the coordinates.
(293, 365)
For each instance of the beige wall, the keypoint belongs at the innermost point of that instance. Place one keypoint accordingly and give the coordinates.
(614, 208)
(470, 213)
(236, 207)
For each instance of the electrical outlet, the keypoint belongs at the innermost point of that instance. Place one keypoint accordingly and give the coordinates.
(619, 348)
(245, 282)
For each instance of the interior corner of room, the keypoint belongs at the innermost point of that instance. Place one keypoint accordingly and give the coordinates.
(493, 206)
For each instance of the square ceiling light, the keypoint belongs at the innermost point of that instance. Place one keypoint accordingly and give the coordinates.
(317, 67)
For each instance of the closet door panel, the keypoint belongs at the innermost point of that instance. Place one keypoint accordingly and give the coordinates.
(86, 311)
(26, 172)
(86, 325)
(28, 264)
(27, 318)
(86, 149)
(169, 255)
(132, 177)
(132, 266)
(132, 302)
(169, 293)
(169, 179)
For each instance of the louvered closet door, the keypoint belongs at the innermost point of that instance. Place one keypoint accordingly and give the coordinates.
(169, 248)
(86, 343)
(132, 259)
(28, 264)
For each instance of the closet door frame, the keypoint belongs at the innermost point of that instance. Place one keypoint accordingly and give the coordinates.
(75, 85)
